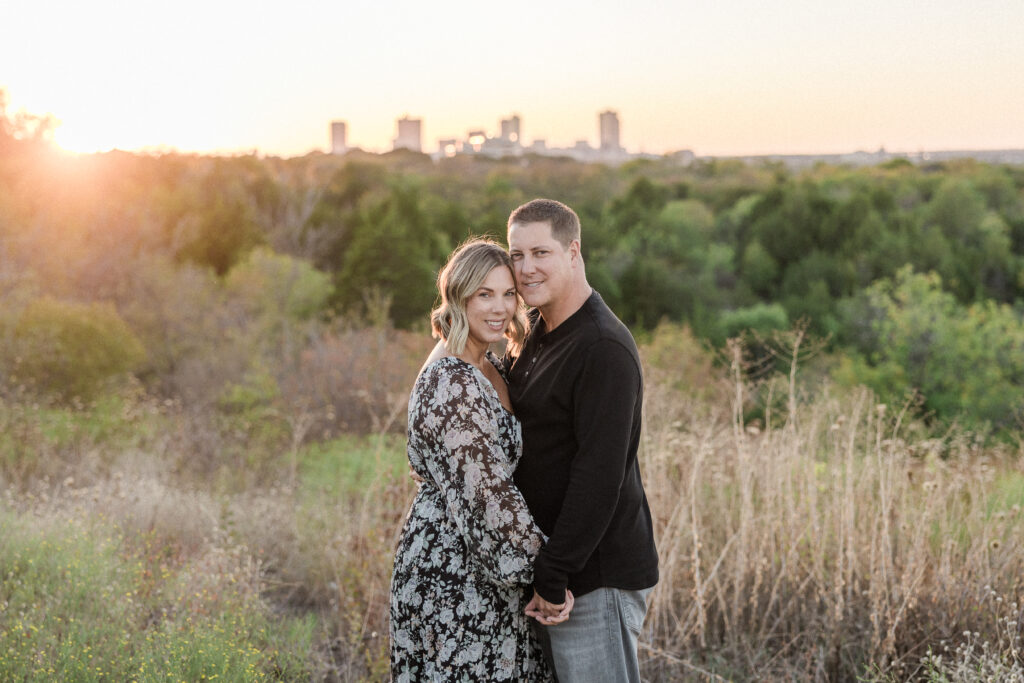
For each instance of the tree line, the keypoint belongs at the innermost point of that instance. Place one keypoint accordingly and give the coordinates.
(911, 275)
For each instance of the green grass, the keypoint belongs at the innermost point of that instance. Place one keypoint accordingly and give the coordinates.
(78, 604)
(1007, 492)
(349, 465)
(37, 440)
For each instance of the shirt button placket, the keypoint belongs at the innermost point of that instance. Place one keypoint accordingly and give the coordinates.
(533, 360)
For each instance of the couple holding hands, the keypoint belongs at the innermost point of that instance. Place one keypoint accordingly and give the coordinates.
(528, 553)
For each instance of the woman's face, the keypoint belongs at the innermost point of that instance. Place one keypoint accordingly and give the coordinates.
(491, 307)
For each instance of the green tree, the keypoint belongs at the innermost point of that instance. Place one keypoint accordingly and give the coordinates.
(967, 361)
(280, 286)
(278, 292)
(393, 258)
(328, 229)
(759, 269)
(213, 222)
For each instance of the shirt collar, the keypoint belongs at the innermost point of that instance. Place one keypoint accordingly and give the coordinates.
(569, 325)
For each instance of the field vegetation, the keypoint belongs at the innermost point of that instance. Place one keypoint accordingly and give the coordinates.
(205, 363)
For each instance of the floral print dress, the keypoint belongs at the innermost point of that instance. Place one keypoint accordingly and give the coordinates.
(463, 567)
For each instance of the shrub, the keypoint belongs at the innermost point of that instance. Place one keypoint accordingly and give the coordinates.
(762, 318)
(279, 286)
(967, 361)
(70, 349)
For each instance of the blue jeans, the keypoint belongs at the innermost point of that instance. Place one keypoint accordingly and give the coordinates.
(598, 642)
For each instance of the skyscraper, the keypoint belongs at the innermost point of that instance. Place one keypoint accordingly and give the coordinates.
(409, 134)
(510, 130)
(609, 124)
(339, 144)
(448, 147)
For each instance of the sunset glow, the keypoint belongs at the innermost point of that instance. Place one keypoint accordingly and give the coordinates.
(736, 77)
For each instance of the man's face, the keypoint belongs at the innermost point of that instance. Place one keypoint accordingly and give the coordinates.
(542, 265)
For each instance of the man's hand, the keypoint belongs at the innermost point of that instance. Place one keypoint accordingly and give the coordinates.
(548, 613)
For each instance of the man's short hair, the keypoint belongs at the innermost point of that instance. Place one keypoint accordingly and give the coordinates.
(565, 224)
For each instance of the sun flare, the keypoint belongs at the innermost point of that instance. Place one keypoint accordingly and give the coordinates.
(80, 141)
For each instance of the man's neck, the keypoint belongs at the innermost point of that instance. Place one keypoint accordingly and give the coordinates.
(558, 312)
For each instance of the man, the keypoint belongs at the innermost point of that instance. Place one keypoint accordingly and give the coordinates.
(577, 388)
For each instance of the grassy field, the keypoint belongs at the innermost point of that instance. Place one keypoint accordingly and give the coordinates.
(805, 533)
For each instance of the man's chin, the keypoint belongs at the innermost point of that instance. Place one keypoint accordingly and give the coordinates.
(530, 297)
(532, 303)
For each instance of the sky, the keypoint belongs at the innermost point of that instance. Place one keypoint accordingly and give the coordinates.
(718, 77)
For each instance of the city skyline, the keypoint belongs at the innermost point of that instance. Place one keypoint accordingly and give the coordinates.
(509, 142)
(506, 140)
(732, 78)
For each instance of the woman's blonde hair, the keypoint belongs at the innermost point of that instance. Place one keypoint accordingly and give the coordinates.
(466, 270)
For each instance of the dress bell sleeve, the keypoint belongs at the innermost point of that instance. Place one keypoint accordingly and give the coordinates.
(473, 474)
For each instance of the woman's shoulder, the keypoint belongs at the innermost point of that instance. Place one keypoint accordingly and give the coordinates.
(446, 366)
(446, 374)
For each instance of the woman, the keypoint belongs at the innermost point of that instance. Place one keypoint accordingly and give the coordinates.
(464, 560)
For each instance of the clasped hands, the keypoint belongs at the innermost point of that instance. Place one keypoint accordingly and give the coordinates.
(548, 613)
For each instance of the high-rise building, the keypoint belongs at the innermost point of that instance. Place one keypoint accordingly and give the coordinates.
(609, 124)
(410, 134)
(447, 147)
(510, 130)
(339, 145)
(475, 140)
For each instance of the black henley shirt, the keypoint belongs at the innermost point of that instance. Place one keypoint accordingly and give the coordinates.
(578, 391)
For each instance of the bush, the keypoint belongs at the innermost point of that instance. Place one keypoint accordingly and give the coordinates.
(762, 318)
(279, 286)
(967, 361)
(72, 350)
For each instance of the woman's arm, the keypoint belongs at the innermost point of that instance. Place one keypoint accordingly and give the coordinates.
(473, 475)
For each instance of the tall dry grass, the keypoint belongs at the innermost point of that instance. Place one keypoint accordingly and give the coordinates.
(830, 539)
(834, 541)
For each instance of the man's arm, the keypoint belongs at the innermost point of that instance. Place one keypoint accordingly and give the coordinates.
(605, 400)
